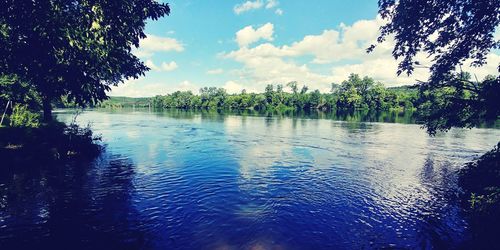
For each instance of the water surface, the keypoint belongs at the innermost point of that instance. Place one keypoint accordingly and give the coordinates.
(191, 180)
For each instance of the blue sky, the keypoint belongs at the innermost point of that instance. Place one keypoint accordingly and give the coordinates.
(249, 44)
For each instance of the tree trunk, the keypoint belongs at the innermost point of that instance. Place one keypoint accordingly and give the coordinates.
(47, 109)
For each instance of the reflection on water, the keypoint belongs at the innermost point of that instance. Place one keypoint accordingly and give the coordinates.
(204, 180)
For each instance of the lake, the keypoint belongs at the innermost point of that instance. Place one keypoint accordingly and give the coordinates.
(205, 180)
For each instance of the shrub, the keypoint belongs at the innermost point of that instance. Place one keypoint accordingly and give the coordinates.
(22, 117)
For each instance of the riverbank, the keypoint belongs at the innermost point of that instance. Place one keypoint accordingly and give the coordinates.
(24, 146)
(480, 181)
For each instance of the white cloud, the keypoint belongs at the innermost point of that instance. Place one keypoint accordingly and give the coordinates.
(138, 88)
(382, 69)
(266, 64)
(271, 4)
(185, 86)
(346, 43)
(215, 71)
(151, 44)
(249, 35)
(343, 50)
(163, 67)
(151, 65)
(278, 12)
(247, 6)
(232, 87)
(169, 66)
(492, 62)
(254, 5)
(335, 45)
(143, 88)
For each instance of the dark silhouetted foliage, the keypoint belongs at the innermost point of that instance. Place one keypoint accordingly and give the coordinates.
(457, 101)
(480, 181)
(25, 146)
(451, 31)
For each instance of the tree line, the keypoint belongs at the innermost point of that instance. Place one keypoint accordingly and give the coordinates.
(354, 93)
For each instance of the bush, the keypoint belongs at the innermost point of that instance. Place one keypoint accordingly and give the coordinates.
(480, 181)
(52, 142)
(22, 117)
(80, 139)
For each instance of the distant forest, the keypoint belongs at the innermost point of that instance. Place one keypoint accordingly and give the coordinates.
(354, 93)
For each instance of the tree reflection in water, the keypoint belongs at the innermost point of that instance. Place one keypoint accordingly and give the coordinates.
(69, 206)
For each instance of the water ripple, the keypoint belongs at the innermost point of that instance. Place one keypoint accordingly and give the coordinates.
(231, 182)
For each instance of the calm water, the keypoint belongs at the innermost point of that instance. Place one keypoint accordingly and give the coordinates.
(187, 180)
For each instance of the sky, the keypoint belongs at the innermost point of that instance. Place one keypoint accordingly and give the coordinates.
(248, 44)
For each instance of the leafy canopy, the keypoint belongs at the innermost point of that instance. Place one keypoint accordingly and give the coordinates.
(77, 48)
(450, 30)
(459, 101)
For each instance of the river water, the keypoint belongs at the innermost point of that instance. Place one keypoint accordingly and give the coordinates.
(199, 180)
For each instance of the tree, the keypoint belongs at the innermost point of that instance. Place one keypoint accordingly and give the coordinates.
(77, 48)
(450, 30)
(460, 103)
(11, 89)
(269, 93)
(293, 86)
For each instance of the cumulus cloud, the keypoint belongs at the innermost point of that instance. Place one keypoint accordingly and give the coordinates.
(342, 50)
(144, 88)
(151, 44)
(247, 6)
(382, 69)
(151, 65)
(232, 87)
(347, 42)
(168, 66)
(491, 67)
(266, 64)
(163, 67)
(249, 35)
(186, 86)
(254, 5)
(278, 12)
(271, 4)
(138, 88)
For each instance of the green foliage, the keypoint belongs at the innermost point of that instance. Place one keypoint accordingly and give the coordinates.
(22, 117)
(480, 182)
(365, 93)
(74, 48)
(120, 102)
(459, 102)
(483, 203)
(17, 91)
(354, 93)
(450, 31)
(79, 138)
(48, 143)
